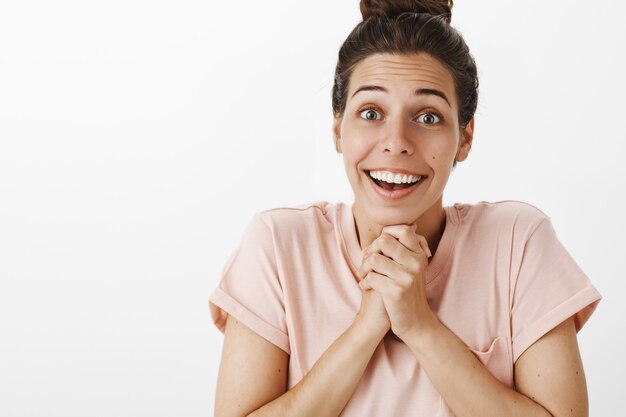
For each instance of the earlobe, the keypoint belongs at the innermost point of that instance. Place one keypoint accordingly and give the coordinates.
(467, 134)
(336, 134)
(338, 144)
(462, 153)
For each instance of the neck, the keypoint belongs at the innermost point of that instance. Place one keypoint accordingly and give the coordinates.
(429, 224)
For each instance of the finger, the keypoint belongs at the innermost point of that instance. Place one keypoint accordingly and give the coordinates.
(407, 236)
(389, 246)
(359, 271)
(364, 284)
(424, 244)
(382, 265)
(384, 242)
(376, 262)
(375, 281)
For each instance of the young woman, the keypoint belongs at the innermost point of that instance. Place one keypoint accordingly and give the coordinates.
(396, 305)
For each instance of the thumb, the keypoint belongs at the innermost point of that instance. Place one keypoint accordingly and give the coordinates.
(364, 284)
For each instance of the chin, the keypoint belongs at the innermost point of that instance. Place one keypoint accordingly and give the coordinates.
(387, 216)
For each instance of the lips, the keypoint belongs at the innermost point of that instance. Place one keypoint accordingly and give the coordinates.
(394, 184)
(382, 177)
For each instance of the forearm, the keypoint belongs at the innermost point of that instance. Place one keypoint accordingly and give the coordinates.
(467, 387)
(325, 390)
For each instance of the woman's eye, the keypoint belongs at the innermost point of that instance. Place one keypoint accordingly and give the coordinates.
(370, 114)
(428, 118)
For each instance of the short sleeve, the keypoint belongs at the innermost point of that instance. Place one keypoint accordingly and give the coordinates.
(549, 288)
(250, 289)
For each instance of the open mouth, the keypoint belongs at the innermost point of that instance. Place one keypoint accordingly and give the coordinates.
(390, 181)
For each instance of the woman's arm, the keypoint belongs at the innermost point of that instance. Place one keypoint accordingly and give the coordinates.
(551, 373)
(549, 376)
(253, 372)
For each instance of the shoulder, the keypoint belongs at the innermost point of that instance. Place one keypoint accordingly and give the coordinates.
(286, 228)
(508, 215)
(294, 220)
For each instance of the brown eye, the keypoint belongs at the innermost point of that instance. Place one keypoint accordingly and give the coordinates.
(369, 114)
(429, 118)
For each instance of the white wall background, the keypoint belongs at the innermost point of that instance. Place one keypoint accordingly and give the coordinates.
(138, 137)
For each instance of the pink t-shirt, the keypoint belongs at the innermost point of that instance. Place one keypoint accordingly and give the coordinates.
(500, 279)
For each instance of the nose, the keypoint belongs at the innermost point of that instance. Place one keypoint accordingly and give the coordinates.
(396, 140)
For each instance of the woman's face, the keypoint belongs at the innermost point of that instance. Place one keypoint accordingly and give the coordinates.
(400, 125)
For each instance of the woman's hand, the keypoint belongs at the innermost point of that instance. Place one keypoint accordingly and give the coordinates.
(372, 313)
(395, 266)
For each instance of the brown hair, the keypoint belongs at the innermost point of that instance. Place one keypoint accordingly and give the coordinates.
(409, 27)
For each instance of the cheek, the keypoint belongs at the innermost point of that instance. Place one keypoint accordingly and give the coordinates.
(355, 146)
(440, 150)
(353, 154)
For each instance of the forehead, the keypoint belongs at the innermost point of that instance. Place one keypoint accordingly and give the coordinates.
(413, 71)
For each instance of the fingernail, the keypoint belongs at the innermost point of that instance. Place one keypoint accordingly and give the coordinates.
(430, 254)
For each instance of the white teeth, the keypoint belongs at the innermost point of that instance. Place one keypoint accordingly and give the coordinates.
(392, 178)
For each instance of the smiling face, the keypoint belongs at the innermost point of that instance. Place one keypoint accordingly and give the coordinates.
(400, 125)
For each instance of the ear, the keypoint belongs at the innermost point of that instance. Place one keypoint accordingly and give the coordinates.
(465, 144)
(337, 132)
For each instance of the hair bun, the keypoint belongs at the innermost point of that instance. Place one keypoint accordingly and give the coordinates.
(392, 8)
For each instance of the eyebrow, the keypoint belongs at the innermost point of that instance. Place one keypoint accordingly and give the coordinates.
(418, 92)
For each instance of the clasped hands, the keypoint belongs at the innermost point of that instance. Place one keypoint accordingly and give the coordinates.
(393, 270)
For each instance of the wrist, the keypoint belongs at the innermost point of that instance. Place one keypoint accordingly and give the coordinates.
(367, 330)
(423, 332)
